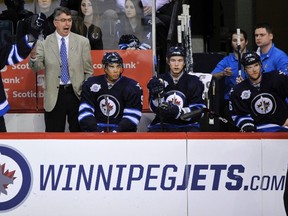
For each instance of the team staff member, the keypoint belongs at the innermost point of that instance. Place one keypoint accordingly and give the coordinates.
(13, 53)
(258, 103)
(111, 102)
(173, 94)
(272, 58)
(62, 97)
(228, 67)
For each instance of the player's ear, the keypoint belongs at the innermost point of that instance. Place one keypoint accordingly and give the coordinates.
(105, 69)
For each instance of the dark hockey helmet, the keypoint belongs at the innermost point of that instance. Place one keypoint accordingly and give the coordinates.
(176, 51)
(112, 57)
(250, 58)
(130, 40)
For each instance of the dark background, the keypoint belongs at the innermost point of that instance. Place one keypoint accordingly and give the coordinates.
(213, 19)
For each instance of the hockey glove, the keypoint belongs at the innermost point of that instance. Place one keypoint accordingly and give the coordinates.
(156, 87)
(170, 110)
(248, 128)
(35, 24)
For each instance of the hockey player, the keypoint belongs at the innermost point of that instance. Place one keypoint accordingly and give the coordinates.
(13, 53)
(110, 102)
(129, 42)
(175, 93)
(258, 103)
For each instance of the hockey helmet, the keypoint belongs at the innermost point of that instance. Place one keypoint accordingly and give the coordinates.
(128, 40)
(250, 58)
(112, 57)
(176, 51)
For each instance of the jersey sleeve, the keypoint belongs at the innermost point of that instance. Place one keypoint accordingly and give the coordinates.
(195, 99)
(240, 109)
(132, 113)
(86, 115)
(14, 53)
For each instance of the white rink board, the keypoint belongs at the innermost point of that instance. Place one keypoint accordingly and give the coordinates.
(147, 177)
(136, 201)
(230, 176)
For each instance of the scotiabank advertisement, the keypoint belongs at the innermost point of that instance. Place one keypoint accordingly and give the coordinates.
(24, 88)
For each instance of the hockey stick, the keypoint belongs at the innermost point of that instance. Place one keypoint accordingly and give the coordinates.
(155, 58)
(173, 23)
(184, 20)
(41, 38)
(210, 113)
(107, 112)
(239, 52)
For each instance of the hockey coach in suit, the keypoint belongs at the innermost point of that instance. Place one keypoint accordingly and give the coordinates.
(65, 70)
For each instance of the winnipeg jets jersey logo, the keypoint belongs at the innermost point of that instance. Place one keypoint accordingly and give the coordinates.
(246, 94)
(263, 104)
(95, 88)
(176, 97)
(109, 105)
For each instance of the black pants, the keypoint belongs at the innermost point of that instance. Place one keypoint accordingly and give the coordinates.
(67, 105)
(2, 124)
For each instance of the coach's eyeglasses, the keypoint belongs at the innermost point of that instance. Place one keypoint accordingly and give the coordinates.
(64, 20)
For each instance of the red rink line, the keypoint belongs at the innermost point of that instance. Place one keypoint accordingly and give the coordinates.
(144, 135)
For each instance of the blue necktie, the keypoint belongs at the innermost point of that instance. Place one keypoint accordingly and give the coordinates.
(64, 68)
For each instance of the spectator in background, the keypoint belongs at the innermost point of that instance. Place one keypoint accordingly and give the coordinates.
(110, 102)
(73, 5)
(107, 5)
(228, 68)
(258, 102)
(66, 60)
(147, 5)
(272, 57)
(86, 24)
(47, 7)
(108, 12)
(132, 22)
(15, 12)
(173, 94)
(163, 14)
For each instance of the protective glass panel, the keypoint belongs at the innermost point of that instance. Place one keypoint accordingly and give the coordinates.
(124, 26)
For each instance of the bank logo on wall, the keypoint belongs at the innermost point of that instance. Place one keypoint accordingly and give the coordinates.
(15, 178)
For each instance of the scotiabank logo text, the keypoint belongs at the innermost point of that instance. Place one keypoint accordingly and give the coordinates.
(20, 66)
(129, 65)
(153, 177)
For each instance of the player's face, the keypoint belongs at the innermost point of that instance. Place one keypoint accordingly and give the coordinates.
(176, 64)
(63, 24)
(254, 72)
(86, 7)
(113, 72)
(243, 43)
(262, 37)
